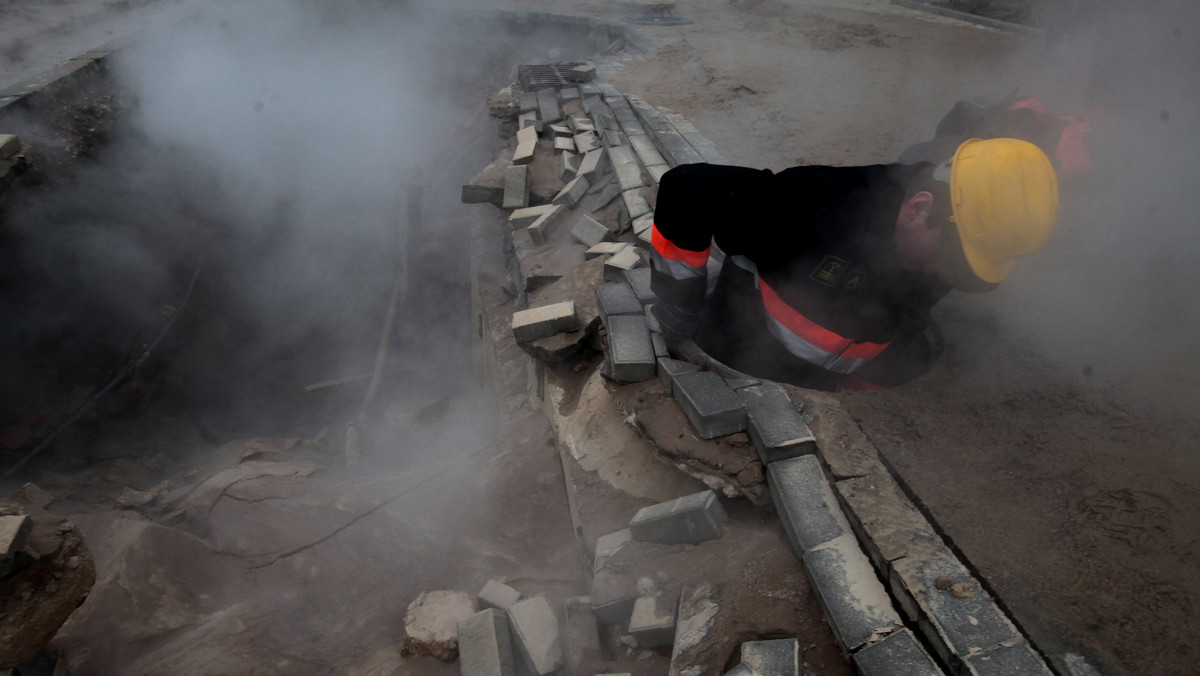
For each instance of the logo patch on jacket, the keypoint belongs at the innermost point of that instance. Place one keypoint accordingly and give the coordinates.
(855, 279)
(829, 271)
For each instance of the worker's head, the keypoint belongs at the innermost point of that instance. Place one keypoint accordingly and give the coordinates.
(969, 219)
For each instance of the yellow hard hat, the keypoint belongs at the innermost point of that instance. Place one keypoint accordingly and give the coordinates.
(1005, 198)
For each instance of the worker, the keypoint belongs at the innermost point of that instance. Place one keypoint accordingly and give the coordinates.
(830, 273)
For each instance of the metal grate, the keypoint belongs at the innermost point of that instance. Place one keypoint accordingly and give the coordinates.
(538, 77)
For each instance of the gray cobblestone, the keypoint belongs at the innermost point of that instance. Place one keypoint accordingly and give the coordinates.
(669, 368)
(780, 657)
(617, 299)
(630, 352)
(496, 594)
(547, 320)
(590, 232)
(535, 632)
(652, 621)
(777, 430)
(620, 262)
(639, 281)
(516, 187)
(526, 145)
(485, 645)
(713, 409)
(690, 519)
(571, 192)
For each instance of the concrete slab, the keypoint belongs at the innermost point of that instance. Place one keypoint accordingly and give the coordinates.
(691, 519)
(713, 409)
(806, 504)
(776, 428)
(856, 604)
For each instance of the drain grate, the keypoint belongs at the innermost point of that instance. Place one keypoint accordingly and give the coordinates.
(534, 78)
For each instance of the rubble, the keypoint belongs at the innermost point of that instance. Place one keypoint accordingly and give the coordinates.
(50, 574)
(691, 519)
(431, 623)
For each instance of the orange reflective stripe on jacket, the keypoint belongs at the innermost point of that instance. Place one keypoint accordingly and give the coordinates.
(812, 342)
(669, 251)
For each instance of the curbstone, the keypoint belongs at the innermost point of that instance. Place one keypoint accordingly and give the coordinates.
(659, 343)
(571, 192)
(776, 428)
(691, 519)
(617, 298)
(590, 232)
(496, 594)
(713, 409)
(630, 352)
(780, 657)
(897, 655)
(625, 166)
(856, 604)
(954, 624)
(485, 645)
(887, 523)
(639, 281)
(646, 152)
(535, 631)
(621, 262)
(1005, 660)
(540, 322)
(652, 621)
(807, 507)
(516, 187)
(526, 145)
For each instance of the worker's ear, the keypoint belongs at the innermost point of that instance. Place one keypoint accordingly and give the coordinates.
(916, 211)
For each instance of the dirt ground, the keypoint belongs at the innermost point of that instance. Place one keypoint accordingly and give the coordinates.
(1064, 473)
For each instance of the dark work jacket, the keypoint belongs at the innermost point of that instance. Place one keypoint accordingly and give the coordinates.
(811, 291)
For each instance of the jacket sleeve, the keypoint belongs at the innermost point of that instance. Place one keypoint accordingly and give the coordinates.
(696, 202)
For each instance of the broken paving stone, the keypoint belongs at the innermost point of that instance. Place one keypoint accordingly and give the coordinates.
(564, 146)
(635, 203)
(697, 649)
(586, 142)
(535, 630)
(540, 229)
(568, 166)
(496, 594)
(691, 519)
(856, 604)
(652, 621)
(431, 623)
(540, 322)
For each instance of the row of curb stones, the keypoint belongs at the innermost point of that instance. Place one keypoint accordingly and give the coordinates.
(936, 593)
